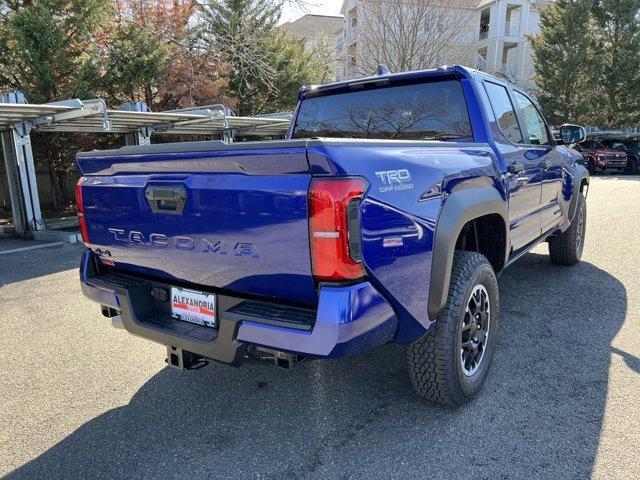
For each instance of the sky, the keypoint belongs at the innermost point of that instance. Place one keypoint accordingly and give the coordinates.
(324, 7)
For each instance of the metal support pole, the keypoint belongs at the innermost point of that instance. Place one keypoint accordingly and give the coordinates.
(27, 174)
(227, 134)
(17, 207)
(18, 157)
(143, 135)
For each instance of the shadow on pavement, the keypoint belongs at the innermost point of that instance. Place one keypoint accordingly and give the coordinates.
(21, 266)
(539, 415)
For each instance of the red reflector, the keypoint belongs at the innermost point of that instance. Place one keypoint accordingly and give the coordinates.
(328, 227)
(84, 231)
(108, 262)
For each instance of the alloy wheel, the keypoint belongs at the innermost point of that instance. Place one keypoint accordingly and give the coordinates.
(475, 330)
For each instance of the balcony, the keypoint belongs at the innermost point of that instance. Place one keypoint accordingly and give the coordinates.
(512, 29)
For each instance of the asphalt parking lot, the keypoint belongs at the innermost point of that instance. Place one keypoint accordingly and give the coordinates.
(83, 400)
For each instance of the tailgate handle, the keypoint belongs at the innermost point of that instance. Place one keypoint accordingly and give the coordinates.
(166, 199)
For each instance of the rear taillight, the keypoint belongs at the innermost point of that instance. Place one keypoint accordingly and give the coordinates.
(80, 207)
(332, 204)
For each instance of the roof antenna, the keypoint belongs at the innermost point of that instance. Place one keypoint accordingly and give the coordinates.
(383, 70)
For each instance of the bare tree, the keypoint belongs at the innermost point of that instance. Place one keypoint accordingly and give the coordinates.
(323, 57)
(412, 35)
(511, 74)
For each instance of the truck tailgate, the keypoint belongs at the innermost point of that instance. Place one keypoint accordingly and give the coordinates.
(207, 214)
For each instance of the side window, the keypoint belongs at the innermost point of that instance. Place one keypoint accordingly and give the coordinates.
(504, 112)
(537, 129)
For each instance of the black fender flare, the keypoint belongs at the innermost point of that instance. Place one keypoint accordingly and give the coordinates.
(459, 208)
(580, 173)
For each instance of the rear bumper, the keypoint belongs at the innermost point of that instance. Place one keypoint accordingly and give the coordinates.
(348, 320)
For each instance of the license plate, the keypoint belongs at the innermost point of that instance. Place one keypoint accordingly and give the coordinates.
(194, 307)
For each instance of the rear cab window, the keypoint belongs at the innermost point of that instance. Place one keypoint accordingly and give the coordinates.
(504, 112)
(424, 111)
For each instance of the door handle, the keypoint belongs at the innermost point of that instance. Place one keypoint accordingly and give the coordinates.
(516, 168)
(544, 164)
(166, 199)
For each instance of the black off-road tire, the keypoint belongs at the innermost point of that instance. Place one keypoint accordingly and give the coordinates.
(566, 248)
(632, 166)
(434, 361)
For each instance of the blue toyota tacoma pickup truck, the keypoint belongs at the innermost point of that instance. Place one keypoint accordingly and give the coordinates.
(384, 217)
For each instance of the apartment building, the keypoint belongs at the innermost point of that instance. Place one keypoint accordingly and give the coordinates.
(406, 35)
(503, 48)
(313, 29)
(490, 35)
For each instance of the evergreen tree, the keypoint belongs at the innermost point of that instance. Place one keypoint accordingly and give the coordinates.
(45, 46)
(266, 66)
(240, 31)
(563, 56)
(242, 18)
(618, 55)
(135, 62)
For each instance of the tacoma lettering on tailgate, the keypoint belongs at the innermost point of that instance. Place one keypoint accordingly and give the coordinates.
(160, 240)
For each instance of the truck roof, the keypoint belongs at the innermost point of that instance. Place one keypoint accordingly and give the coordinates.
(454, 71)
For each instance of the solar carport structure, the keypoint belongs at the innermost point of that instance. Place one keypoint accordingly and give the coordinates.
(133, 120)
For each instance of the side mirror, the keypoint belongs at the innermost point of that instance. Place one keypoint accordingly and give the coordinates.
(570, 134)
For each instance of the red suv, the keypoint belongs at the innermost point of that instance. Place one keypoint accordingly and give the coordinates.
(601, 158)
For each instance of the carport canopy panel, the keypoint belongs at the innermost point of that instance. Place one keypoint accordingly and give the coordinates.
(18, 119)
(45, 117)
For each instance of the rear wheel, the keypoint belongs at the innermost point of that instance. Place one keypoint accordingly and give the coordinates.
(566, 248)
(450, 363)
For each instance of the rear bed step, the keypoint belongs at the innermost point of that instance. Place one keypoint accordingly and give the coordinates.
(277, 315)
(111, 280)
